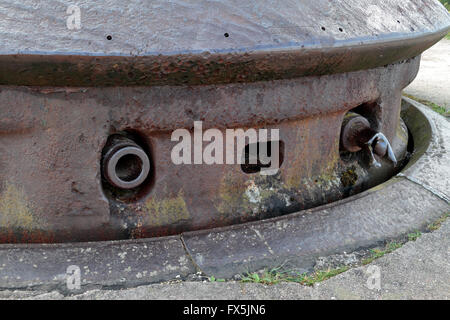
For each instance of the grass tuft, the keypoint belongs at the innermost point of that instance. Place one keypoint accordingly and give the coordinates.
(213, 279)
(435, 107)
(413, 236)
(270, 277)
(437, 224)
(378, 253)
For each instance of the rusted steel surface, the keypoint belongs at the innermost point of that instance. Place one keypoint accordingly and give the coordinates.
(52, 141)
(203, 42)
(81, 89)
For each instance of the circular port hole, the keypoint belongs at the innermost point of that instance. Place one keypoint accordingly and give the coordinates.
(126, 166)
(129, 167)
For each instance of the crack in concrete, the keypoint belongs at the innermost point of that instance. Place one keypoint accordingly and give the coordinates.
(438, 194)
(190, 257)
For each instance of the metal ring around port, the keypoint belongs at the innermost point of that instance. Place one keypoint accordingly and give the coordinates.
(114, 159)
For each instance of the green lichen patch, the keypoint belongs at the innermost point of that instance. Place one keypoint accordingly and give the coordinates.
(15, 211)
(167, 211)
(231, 198)
(349, 177)
(256, 196)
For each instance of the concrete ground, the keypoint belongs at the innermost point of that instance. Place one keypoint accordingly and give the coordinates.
(418, 270)
(433, 80)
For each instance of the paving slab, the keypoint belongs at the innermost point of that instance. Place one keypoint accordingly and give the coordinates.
(433, 80)
(432, 170)
(100, 264)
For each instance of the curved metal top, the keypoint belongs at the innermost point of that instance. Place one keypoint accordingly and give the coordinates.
(199, 41)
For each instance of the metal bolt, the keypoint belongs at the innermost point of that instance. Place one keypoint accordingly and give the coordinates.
(355, 132)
